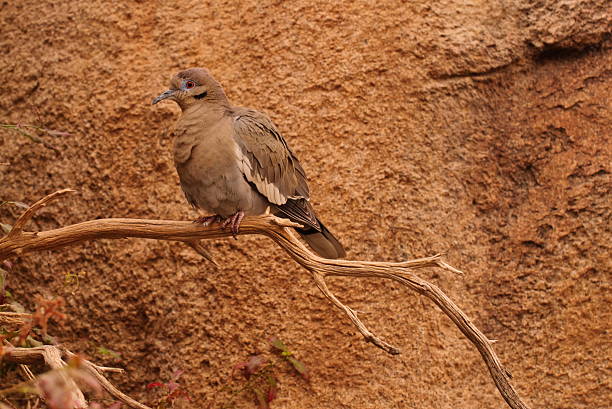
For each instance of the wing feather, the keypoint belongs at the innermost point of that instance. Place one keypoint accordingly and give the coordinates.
(268, 163)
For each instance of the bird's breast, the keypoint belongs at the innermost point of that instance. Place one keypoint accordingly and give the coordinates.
(207, 164)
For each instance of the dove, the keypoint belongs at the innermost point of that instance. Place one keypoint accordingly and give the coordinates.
(233, 161)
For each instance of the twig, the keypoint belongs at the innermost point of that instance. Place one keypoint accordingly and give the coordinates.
(277, 229)
(19, 128)
(109, 369)
(15, 388)
(92, 369)
(368, 336)
(26, 372)
(13, 318)
(199, 248)
(29, 213)
(52, 357)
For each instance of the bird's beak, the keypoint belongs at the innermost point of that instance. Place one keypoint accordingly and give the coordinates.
(168, 94)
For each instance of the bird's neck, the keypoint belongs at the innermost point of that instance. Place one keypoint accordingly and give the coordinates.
(204, 112)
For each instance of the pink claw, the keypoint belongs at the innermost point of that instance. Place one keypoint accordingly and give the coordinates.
(234, 221)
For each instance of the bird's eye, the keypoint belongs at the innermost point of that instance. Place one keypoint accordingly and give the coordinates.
(189, 84)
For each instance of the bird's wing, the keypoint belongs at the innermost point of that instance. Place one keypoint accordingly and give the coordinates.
(267, 162)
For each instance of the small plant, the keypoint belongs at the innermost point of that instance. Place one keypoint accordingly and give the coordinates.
(72, 279)
(60, 388)
(108, 353)
(23, 329)
(287, 355)
(45, 311)
(32, 132)
(261, 381)
(57, 387)
(258, 376)
(171, 391)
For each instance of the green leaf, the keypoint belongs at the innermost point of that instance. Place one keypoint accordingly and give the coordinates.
(278, 344)
(105, 351)
(299, 367)
(28, 389)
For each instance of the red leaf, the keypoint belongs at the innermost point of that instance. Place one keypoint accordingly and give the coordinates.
(154, 385)
(239, 366)
(251, 366)
(172, 386)
(273, 390)
(177, 374)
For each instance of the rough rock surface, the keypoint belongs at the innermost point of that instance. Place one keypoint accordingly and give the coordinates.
(480, 129)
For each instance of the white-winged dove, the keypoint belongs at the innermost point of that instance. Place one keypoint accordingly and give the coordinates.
(232, 162)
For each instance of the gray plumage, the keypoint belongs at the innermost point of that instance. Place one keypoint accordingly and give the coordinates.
(231, 160)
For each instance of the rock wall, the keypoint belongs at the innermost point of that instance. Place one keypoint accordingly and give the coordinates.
(479, 129)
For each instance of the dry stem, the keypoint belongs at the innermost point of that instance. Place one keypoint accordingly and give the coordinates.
(18, 242)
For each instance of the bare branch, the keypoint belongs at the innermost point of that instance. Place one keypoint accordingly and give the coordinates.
(14, 318)
(27, 372)
(276, 229)
(199, 248)
(369, 336)
(109, 369)
(31, 211)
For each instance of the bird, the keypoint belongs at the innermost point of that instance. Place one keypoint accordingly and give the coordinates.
(233, 161)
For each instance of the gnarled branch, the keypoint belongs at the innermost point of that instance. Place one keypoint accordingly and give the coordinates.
(278, 230)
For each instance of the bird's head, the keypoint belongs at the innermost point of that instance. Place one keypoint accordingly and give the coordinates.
(193, 86)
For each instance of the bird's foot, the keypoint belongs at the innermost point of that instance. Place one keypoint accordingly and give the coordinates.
(208, 220)
(234, 222)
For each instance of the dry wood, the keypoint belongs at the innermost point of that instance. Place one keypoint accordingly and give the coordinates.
(52, 357)
(15, 319)
(19, 242)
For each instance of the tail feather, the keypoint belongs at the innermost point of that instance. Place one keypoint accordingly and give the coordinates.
(323, 243)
